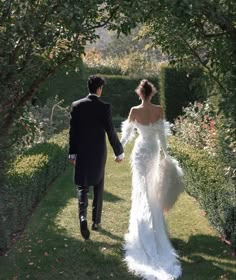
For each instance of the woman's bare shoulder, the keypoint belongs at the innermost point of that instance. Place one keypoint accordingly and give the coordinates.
(157, 106)
(136, 107)
(159, 111)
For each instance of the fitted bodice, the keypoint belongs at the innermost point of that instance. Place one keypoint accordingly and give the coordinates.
(150, 131)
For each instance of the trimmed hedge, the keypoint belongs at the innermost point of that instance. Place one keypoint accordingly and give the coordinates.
(207, 182)
(28, 178)
(119, 90)
(178, 88)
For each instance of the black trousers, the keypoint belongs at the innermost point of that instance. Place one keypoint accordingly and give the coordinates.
(98, 191)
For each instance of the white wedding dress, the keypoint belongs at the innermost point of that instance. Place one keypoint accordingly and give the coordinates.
(156, 184)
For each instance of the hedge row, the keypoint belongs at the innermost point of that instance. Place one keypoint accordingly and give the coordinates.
(206, 181)
(118, 90)
(178, 88)
(28, 178)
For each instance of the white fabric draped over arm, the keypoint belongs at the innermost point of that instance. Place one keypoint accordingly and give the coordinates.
(164, 131)
(127, 132)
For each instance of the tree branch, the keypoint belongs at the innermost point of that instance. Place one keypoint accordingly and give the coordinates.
(99, 25)
(214, 35)
(6, 12)
(200, 26)
(193, 51)
(221, 20)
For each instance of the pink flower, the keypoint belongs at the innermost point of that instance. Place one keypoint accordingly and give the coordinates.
(200, 105)
(212, 123)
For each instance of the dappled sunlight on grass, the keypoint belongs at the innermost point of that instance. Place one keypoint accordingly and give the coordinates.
(52, 247)
(66, 219)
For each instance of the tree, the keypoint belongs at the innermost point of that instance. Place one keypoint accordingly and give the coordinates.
(193, 33)
(36, 38)
(197, 33)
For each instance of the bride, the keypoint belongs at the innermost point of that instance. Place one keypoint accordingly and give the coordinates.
(156, 184)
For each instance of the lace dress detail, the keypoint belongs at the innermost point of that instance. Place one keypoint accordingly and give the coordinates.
(156, 184)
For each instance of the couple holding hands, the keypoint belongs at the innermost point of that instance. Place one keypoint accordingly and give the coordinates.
(157, 179)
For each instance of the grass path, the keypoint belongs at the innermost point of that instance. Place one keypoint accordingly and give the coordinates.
(52, 248)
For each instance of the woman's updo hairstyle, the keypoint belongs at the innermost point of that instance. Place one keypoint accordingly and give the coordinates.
(146, 89)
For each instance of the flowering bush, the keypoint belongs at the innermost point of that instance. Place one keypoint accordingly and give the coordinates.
(209, 163)
(203, 128)
(198, 126)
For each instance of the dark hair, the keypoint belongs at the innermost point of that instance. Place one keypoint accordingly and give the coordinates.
(94, 82)
(145, 88)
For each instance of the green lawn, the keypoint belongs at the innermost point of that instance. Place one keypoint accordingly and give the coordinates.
(51, 246)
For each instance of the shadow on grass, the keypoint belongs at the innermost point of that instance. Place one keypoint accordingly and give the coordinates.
(52, 250)
(108, 197)
(111, 235)
(205, 257)
(49, 250)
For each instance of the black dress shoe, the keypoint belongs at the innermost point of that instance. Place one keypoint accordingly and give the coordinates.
(95, 226)
(84, 229)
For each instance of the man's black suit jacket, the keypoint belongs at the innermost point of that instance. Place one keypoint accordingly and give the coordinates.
(90, 120)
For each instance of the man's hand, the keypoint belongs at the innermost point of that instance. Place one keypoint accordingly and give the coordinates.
(72, 161)
(118, 160)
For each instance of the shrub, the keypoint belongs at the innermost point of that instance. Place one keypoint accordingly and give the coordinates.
(198, 126)
(203, 127)
(29, 176)
(119, 90)
(138, 65)
(38, 123)
(206, 181)
(94, 62)
(178, 88)
(134, 63)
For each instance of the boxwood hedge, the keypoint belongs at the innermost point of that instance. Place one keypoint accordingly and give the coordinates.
(178, 88)
(29, 176)
(206, 180)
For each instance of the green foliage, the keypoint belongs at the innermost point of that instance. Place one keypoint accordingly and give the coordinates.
(111, 45)
(198, 126)
(203, 127)
(95, 62)
(37, 38)
(195, 33)
(29, 176)
(206, 181)
(136, 64)
(178, 88)
(52, 248)
(118, 90)
(38, 123)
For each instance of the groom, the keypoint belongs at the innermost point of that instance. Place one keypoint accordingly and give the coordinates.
(91, 119)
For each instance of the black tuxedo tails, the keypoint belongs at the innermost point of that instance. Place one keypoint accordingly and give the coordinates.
(91, 120)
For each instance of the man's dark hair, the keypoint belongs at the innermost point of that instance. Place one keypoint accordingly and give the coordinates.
(94, 82)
